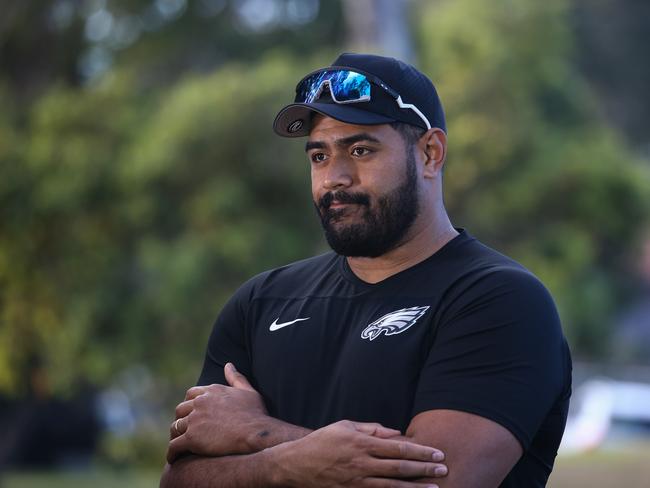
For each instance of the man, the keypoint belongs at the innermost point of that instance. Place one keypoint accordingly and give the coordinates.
(410, 324)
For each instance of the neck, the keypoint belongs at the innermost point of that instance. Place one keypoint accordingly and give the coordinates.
(425, 240)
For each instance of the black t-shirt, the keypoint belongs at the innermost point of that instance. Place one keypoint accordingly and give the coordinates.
(467, 329)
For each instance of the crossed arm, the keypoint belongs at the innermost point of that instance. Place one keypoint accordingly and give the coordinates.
(224, 436)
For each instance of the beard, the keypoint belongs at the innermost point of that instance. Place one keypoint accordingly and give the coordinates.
(384, 223)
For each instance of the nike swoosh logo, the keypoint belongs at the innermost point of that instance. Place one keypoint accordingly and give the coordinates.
(276, 326)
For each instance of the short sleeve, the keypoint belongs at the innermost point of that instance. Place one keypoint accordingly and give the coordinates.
(228, 341)
(498, 352)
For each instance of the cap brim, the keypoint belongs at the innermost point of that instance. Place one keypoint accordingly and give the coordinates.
(295, 120)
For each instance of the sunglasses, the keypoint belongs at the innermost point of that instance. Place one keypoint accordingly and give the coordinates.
(347, 86)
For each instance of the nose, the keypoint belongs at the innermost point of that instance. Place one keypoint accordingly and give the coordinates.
(338, 174)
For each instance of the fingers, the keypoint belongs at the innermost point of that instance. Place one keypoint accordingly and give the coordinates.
(236, 379)
(178, 427)
(375, 429)
(400, 468)
(195, 391)
(184, 408)
(392, 449)
(176, 447)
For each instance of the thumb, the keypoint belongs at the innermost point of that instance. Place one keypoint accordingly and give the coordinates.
(236, 379)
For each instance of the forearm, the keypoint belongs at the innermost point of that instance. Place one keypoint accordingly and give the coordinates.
(223, 438)
(270, 432)
(242, 471)
(344, 453)
(234, 471)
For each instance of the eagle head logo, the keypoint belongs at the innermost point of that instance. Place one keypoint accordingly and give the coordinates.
(393, 323)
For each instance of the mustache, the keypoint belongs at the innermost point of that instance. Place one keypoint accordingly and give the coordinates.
(342, 196)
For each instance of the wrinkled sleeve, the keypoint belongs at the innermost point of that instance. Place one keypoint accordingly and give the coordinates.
(498, 352)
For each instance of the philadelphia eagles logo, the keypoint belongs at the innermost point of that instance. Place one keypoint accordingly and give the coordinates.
(393, 323)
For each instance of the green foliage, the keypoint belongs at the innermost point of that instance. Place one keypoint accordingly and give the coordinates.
(138, 216)
(532, 169)
(58, 235)
(131, 209)
(216, 198)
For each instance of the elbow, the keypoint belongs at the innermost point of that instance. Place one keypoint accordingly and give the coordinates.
(166, 480)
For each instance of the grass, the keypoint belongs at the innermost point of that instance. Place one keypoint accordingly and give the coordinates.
(81, 479)
(627, 467)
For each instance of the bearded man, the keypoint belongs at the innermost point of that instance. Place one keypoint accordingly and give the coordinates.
(410, 355)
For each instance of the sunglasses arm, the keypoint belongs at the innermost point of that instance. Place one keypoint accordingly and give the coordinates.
(414, 108)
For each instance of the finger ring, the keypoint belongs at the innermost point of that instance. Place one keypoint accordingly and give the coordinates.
(176, 429)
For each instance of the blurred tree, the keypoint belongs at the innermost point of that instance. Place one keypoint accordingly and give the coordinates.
(612, 42)
(216, 198)
(168, 38)
(125, 222)
(60, 236)
(379, 26)
(39, 44)
(132, 204)
(101, 163)
(77, 41)
(533, 169)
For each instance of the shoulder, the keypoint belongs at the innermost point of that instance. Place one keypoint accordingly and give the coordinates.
(479, 270)
(475, 256)
(496, 289)
(291, 278)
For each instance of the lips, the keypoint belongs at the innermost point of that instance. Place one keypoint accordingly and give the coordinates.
(337, 204)
(341, 199)
(340, 212)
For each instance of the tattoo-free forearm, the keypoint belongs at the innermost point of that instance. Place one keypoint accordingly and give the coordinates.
(242, 471)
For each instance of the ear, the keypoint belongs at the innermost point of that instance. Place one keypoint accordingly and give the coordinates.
(434, 145)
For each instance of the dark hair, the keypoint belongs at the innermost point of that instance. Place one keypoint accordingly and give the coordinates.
(410, 133)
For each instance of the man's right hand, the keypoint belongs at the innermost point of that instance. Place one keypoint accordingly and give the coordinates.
(218, 420)
(356, 454)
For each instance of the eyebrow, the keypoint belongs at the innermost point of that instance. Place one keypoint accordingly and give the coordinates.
(343, 142)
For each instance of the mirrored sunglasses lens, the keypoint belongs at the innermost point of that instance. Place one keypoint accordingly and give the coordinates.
(309, 88)
(346, 86)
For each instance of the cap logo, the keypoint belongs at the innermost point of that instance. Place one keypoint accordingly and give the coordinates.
(295, 126)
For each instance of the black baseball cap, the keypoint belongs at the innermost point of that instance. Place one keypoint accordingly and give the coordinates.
(401, 79)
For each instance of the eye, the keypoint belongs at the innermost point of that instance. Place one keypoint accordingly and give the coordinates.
(360, 151)
(318, 157)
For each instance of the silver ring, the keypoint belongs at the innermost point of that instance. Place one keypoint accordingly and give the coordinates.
(176, 430)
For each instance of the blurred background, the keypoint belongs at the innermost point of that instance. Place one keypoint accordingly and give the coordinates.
(141, 184)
